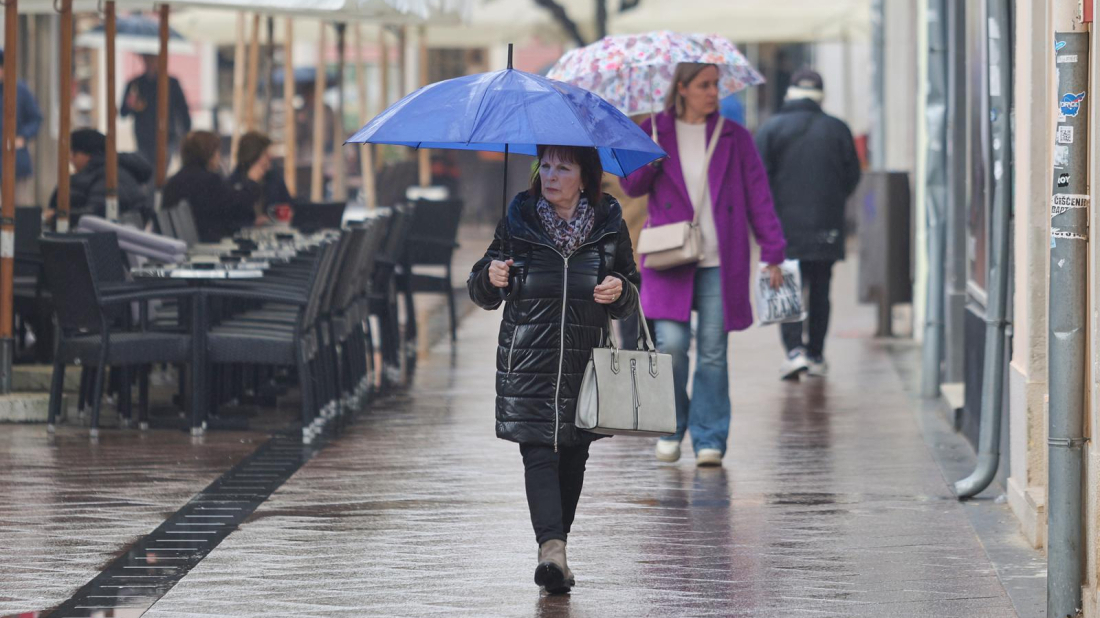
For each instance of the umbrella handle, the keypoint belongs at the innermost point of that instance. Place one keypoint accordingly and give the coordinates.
(653, 126)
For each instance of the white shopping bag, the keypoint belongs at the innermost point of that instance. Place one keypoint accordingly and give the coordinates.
(782, 304)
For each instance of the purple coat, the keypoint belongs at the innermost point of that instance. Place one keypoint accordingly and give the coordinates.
(742, 200)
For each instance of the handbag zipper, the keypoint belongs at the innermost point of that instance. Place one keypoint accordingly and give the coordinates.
(634, 389)
(564, 302)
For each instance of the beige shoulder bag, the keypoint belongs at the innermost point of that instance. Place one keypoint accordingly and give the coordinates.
(675, 244)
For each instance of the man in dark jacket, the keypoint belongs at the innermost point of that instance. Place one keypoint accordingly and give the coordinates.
(812, 167)
(88, 184)
(140, 101)
(28, 119)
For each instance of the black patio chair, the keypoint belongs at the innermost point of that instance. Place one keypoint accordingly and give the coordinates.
(299, 347)
(310, 217)
(383, 297)
(432, 240)
(183, 222)
(164, 224)
(32, 301)
(85, 311)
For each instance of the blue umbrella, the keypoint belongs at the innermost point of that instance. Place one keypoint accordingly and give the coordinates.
(511, 111)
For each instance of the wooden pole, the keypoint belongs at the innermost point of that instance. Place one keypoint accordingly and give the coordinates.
(369, 191)
(65, 117)
(238, 89)
(163, 109)
(384, 77)
(340, 170)
(7, 194)
(317, 178)
(290, 140)
(424, 163)
(269, 81)
(110, 30)
(252, 82)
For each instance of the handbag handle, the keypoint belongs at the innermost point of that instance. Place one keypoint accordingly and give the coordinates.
(644, 325)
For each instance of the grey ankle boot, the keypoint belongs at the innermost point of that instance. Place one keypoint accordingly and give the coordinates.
(551, 572)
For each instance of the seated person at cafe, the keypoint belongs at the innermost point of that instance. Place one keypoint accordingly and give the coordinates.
(255, 148)
(88, 184)
(220, 208)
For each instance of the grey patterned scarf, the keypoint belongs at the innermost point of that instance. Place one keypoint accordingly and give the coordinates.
(567, 235)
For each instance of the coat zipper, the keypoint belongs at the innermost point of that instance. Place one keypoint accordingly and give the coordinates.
(564, 303)
(512, 347)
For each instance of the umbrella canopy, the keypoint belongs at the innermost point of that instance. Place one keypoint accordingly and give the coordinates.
(137, 34)
(511, 110)
(634, 72)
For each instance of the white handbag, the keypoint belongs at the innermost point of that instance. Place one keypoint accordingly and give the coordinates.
(675, 244)
(628, 392)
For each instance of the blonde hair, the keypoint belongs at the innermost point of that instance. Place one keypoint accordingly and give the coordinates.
(686, 72)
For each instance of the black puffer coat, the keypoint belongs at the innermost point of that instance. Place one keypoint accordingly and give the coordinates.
(550, 327)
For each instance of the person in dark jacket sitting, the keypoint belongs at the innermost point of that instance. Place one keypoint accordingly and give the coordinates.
(255, 147)
(812, 168)
(220, 208)
(88, 184)
(564, 229)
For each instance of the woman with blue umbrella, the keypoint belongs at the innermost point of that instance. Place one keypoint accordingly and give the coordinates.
(561, 259)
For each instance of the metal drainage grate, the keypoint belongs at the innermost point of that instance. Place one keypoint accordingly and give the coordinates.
(151, 567)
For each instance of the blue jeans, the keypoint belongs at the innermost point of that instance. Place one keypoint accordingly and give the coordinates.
(707, 413)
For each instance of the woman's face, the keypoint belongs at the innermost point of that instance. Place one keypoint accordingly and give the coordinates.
(701, 94)
(215, 164)
(561, 180)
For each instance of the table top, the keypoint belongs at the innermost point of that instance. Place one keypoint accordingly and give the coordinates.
(249, 270)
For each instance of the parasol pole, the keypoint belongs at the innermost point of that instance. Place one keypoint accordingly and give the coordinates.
(253, 77)
(65, 118)
(7, 195)
(317, 177)
(110, 30)
(238, 89)
(340, 172)
(369, 191)
(424, 159)
(384, 77)
(162, 111)
(290, 115)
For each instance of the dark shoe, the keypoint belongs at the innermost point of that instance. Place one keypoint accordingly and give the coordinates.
(551, 571)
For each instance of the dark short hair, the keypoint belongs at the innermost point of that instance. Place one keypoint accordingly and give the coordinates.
(252, 146)
(88, 141)
(589, 161)
(199, 148)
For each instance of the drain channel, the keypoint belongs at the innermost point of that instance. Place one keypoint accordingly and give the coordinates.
(131, 584)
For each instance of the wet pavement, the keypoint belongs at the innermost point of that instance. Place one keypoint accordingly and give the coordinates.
(829, 504)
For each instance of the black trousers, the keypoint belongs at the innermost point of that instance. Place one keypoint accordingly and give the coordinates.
(817, 275)
(554, 483)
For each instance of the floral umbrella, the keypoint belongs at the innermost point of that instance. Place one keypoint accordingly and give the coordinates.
(633, 72)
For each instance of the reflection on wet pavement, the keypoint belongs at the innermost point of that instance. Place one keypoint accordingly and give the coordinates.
(829, 504)
(68, 506)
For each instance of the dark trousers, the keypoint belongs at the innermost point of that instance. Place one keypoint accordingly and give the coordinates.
(554, 483)
(816, 278)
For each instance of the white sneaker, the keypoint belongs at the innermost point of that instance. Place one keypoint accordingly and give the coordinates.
(708, 457)
(796, 363)
(818, 368)
(668, 450)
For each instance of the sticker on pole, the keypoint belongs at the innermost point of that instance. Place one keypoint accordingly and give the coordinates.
(1067, 59)
(1065, 134)
(1070, 104)
(1063, 202)
(7, 244)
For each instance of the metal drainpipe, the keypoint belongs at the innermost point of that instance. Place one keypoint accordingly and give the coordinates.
(936, 208)
(993, 370)
(1068, 327)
